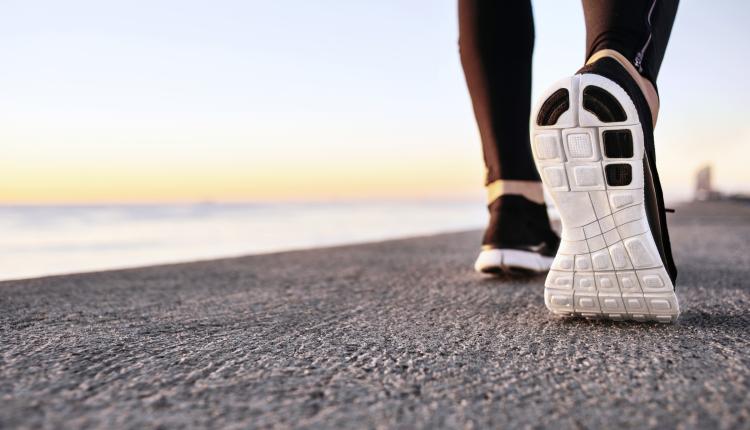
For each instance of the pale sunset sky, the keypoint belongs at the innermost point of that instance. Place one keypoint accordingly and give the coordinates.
(138, 101)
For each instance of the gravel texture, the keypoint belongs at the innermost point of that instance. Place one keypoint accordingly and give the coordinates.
(398, 334)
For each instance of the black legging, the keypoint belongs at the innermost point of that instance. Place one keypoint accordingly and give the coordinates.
(496, 40)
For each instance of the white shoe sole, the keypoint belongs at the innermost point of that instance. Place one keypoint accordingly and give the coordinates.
(608, 265)
(511, 260)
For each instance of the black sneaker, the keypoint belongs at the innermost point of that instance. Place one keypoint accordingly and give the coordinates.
(593, 144)
(519, 237)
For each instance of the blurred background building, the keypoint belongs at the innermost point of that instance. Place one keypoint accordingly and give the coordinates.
(703, 186)
(704, 189)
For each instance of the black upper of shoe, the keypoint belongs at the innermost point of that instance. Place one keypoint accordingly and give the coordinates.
(518, 223)
(653, 197)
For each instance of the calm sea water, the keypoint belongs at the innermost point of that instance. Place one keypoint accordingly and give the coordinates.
(47, 240)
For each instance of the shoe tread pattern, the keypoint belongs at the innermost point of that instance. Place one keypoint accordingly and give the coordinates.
(608, 265)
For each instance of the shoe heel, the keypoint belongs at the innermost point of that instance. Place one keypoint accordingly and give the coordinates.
(588, 147)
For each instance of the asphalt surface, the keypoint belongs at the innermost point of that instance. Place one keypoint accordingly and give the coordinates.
(399, 334)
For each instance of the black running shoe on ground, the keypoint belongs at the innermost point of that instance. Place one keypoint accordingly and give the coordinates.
(519, 237)
(593, 145)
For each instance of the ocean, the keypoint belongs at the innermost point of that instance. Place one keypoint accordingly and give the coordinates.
(50, 240)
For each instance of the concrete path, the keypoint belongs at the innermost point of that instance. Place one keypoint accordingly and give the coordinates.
(399, 334)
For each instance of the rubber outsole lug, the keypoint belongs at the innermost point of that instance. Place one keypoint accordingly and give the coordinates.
(554, 107)
(602, 104)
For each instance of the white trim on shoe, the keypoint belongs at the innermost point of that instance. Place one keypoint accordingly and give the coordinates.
(509, 260)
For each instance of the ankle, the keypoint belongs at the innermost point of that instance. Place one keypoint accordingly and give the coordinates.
(531, 190)
(647, 87)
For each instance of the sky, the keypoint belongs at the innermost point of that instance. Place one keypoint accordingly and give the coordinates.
(143, 101)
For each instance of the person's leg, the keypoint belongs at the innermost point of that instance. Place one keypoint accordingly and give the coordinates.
(496, 42)
(593, 143)
(635, 33)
